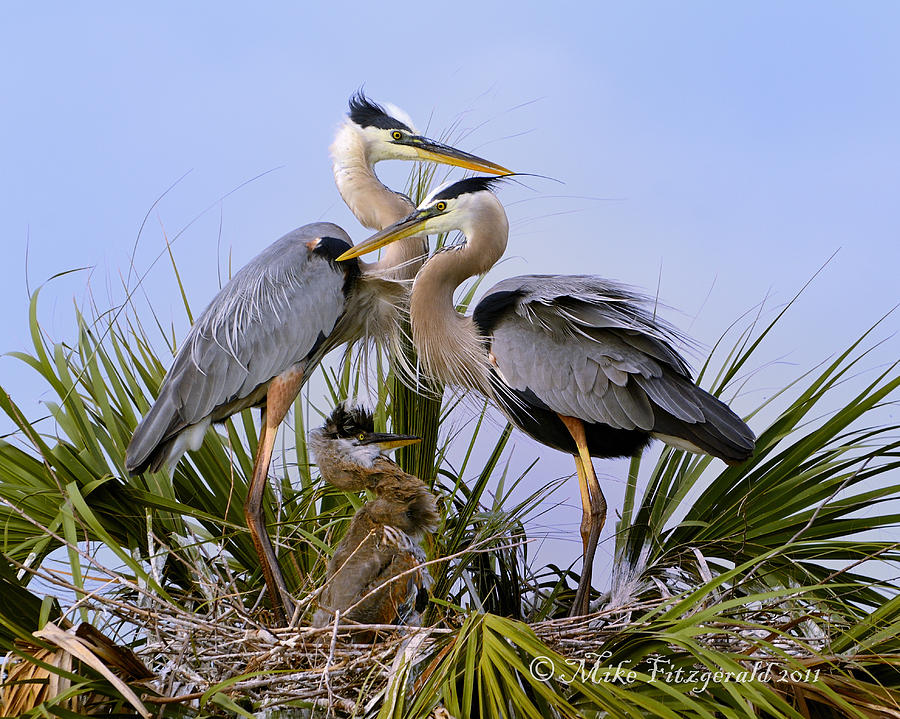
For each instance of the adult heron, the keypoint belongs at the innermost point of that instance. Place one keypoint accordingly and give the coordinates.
(579, 363)
(265, 331)
(371, 133)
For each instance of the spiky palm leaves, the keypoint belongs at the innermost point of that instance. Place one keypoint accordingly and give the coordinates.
(784, 561)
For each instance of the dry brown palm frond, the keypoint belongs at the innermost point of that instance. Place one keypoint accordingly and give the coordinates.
(37, 675)
(114, 655)
(30, 680)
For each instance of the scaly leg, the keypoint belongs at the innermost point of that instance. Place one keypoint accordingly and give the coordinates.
(279, 397)
(593, 517)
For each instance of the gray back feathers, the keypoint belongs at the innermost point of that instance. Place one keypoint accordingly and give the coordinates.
(584, 347)
(278, 311)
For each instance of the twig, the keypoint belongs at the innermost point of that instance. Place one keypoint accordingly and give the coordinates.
(811, 520)
(327, 674)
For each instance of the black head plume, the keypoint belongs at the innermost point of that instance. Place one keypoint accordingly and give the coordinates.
(469, 185)
(366, 113)
(347, 421)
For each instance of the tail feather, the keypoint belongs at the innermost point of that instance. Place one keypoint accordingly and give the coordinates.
(154, 437)
(723, 434)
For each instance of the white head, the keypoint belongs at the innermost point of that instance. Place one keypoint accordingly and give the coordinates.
(388, 133)
(468, 205)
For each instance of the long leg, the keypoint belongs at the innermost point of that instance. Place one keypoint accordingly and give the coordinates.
(279, 397)
(593, 505)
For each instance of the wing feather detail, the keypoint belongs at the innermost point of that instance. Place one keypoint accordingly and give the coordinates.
(593, 349)
(585, 347)
(270, 316)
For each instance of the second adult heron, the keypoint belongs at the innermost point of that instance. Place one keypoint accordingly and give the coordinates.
(579, 363)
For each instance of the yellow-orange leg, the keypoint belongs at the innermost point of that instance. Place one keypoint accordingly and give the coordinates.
(280, 396)
(593, 517)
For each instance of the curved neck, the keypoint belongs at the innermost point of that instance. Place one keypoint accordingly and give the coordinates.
(373, 204)
(448, 343)
(487, 231)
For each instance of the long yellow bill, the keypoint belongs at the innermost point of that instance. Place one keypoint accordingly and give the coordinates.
(407, 227)
(447, 155)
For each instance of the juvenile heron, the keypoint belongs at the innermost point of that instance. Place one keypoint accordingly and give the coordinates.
(375, 574)
(270, 325)
(579, 363)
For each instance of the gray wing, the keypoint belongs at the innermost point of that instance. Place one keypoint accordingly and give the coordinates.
(592, 349)
(276, 312)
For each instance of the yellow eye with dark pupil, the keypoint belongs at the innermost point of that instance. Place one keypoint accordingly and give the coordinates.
(396, 134)
(440, 206)
(362, 436)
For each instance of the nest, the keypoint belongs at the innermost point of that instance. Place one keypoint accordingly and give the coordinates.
(220, 649)
(231, 652)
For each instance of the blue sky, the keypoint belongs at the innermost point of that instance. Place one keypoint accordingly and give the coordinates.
(719, 151)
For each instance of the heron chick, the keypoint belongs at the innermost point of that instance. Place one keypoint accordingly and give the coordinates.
(375, 574)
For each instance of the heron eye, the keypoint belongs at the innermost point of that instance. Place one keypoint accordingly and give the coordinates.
(440, 206)
(396, 134)
(362, 436)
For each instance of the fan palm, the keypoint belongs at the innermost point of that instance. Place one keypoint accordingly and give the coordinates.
(781, 562)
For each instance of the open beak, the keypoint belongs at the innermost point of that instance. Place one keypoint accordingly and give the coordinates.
(406, 227)
(390, 441)
(446, 155)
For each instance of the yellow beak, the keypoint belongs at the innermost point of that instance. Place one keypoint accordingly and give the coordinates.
(407, 227)
(445, 154)
(387, 440)
(396, 443)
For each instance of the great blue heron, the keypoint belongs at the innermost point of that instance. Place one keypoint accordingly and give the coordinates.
(579, 363)
(375, 574)
(269, 326)
(372, 133)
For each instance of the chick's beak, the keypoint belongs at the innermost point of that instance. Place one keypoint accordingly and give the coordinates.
(406, 227)
(388, 441)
